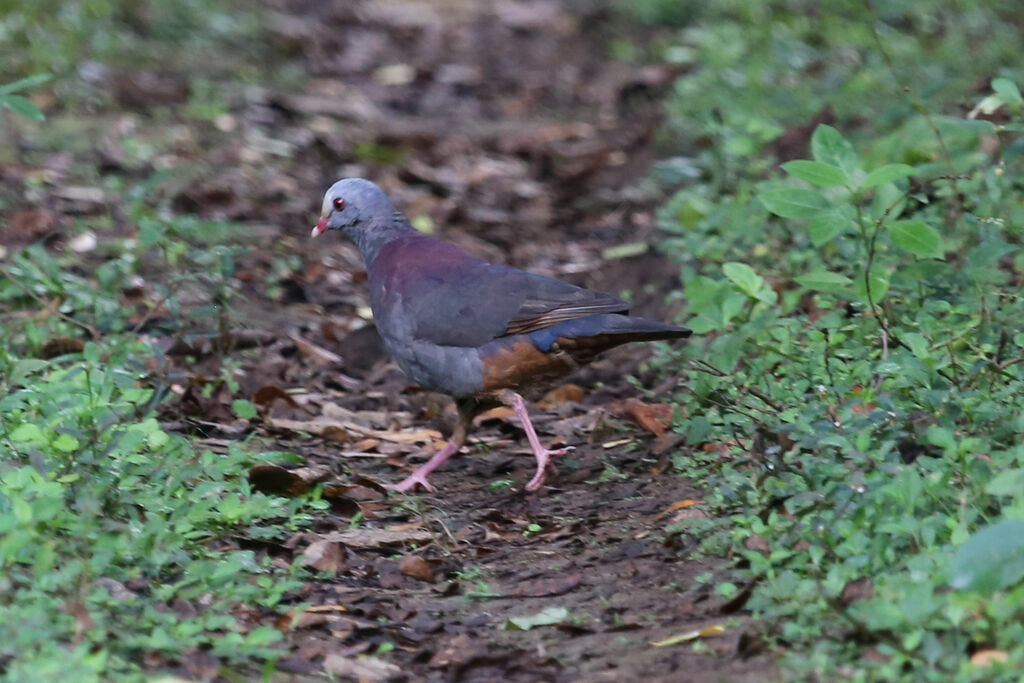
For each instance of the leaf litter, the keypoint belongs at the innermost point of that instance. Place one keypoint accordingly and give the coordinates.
(459, 113)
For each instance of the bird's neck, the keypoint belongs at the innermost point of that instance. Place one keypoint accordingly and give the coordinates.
(371, 240)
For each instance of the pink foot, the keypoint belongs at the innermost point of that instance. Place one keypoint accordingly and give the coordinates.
(543, 455)
(409, 483)
(543, 465)
(419, 477)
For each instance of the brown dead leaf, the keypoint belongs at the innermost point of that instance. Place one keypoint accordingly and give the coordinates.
(325, 556)
(542, 588)
(277, 480)
(313, 353)
(679, 505)
(666, 442)
(332, 429)
(30, 223)
(376, 538)
(986, 658)
(567, 393)
(266, 395)
(858, 589)
(201, 665)
(83, 620)
(416, 567)
(360, 668)
(654, 417)
(499, 414)
(364, 445)
(756, 542)
(60, 346)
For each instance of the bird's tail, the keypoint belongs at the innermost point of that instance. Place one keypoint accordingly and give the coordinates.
(596, 333)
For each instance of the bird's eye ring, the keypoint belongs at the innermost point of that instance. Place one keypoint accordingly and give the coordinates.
(339, 203)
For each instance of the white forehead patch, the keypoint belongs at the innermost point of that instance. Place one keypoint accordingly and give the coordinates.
(325, 209)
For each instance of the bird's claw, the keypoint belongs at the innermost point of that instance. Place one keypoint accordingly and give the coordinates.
(544, 464)
(410, 483)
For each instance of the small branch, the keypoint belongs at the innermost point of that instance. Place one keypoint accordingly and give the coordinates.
(919, 106)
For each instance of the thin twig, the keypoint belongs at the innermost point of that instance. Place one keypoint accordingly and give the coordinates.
(919, 106)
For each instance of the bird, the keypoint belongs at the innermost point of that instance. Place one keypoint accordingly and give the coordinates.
(484, 333)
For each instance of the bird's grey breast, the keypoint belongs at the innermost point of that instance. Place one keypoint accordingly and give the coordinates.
(454, 370)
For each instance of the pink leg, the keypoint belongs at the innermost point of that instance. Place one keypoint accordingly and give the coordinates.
(420, 475)
(542, 454)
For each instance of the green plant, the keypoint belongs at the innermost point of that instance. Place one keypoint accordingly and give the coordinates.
(9, 99)
(853, 404)
(119, 541)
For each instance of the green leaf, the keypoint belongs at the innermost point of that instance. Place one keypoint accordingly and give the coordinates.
(65, 443)
(1008, 91)
(19, 105)
(991, 559)
(825, 225)
(1006, 483)
(243, 409)
(815, 172)
(546, 617)
(830, 147)
(744, 277)
(825, 281)
(24, 83)
(919, 345)
(879, 286)
(919, 238)
(27, 433)
(793, 202)
(886, 174)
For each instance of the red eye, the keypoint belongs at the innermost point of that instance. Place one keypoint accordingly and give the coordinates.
(339, 203)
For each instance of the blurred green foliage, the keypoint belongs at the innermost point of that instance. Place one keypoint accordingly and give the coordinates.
(69, 38)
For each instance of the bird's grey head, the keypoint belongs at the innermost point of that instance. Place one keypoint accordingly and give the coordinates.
(352, 205)
(363, 212)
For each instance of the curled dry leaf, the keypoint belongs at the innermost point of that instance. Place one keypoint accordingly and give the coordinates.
(375, 538)
(277, 480)
(567, 393)
(986, 658)
(756, 542)
(334, 428)
(541, 588)
(60, 346)
(416, 567)
(714, 630)
(266, 395)
(679, 505)
(325, 556)
(499, 414)
(360, 668)
(313, 353)
(654, 417)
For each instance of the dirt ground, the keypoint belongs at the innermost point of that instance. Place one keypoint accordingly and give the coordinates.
(505, 127)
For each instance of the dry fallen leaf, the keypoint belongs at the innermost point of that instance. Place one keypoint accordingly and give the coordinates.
(679, 505)
(313, 353)
(375, 538)
(567, 393)
(325, 556)
(278, 480)
(416, 567)
(266, 395)
(986, 658)
(756, 542)
(654, 417)
(360, 668)
(716, 629)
